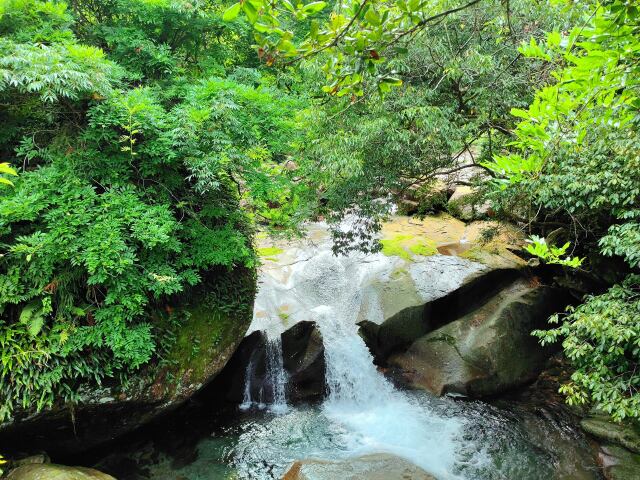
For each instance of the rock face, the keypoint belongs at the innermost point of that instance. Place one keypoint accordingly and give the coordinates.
(489, 349)
(463, 204)
(371, 467)
(56, 472)
(104, 414)
(303, 361)
(398, 332)
(619, 446)
(618, 463)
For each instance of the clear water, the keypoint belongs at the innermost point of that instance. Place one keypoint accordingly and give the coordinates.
(490, 443)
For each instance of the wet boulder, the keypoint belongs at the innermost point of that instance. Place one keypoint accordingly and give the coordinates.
(372, 467)
(399, 331)
(303, 359)
(489, 349)
(49, 471)
(248, 376)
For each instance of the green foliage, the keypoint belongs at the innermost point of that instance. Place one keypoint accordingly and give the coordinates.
(551, 254)
(602, 339)
(575, 159)
(136, 160)
(461, 78)
(6, 170)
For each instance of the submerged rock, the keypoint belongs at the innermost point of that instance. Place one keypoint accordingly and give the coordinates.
(50, 471)
(489, 349)
(205, 340)
(370, 467)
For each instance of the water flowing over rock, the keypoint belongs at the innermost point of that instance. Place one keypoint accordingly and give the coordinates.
(488, 350)
(269, 373)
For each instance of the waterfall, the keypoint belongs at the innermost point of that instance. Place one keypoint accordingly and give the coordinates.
(276, 375)
(275, 380)
(364, 412)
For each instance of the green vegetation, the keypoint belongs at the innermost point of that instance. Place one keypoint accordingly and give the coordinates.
(140, 127)
(144, 141)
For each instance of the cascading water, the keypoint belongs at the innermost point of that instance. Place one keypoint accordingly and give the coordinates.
(363, 413)
(277, 375)
(276, 380)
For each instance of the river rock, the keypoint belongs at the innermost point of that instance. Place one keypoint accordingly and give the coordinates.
(619, 463)
(604, 429)
(464, 204)
(399, 331)
(205, 341)
(303, 359)
(370, 467)
(489, 349)
(50, 471)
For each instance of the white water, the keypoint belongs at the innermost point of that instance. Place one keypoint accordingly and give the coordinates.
(276, 377)
(363, 412)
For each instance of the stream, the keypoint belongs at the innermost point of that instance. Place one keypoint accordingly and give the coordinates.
(364, 413)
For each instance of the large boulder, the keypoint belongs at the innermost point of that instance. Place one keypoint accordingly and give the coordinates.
(49, 471)
(399, 331)
(489, 349)
(303, 360)
(205, 339)
(371, 467)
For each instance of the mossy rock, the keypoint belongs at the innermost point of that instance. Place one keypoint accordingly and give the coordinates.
(56, 472)
(205, 337)
(604, 429)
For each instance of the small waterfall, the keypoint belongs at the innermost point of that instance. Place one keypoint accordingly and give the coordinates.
(276, 375)
(275, 380)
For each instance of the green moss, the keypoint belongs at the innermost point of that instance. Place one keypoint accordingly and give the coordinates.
(270, 253)
(476, 254)
(404, 246)
(399, 273)
(393, 247)
(425, 249)
(204, 333)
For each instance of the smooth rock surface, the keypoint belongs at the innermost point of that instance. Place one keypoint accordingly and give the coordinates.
(488, 350)
(369, 467)
(399, 331)
(56, 472)
(619, 463)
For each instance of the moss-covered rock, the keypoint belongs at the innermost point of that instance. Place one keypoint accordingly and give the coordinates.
(619, 463)
(604, 429)
(56, 472)
(200, 334)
